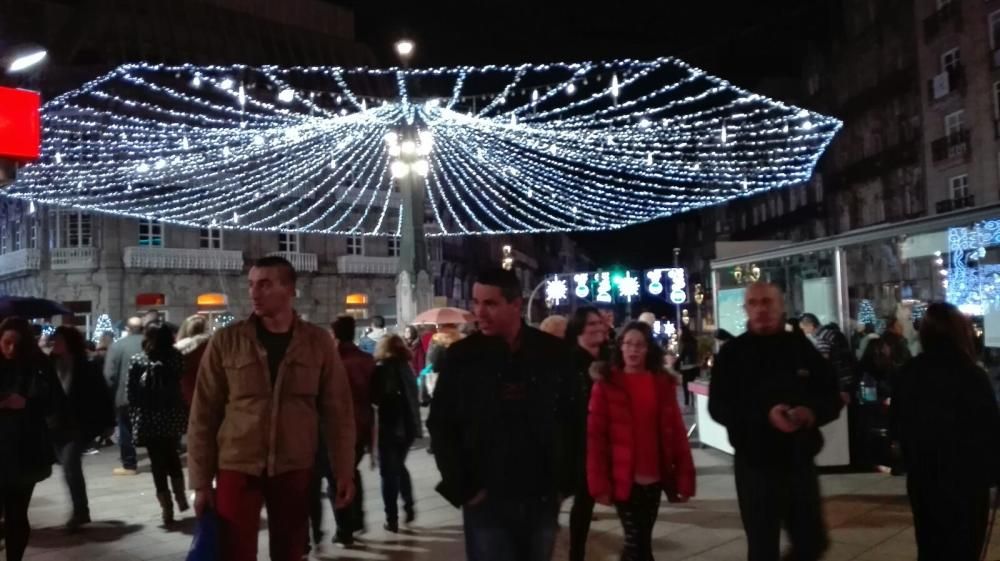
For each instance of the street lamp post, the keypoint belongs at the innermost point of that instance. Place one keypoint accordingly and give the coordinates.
(699, 297)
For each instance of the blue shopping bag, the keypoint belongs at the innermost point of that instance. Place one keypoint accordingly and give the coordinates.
(205, 546)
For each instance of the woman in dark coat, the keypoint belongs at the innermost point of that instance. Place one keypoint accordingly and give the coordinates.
(28, 395)
(945, 417)
(87, 412)
(159, 414)
(587, 334)
(394, 394)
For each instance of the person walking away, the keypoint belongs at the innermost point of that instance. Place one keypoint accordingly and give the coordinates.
(376, 331)
(588, 336)
(690, 365)
(192, 340)
(394, 394)
(503, 422)
(945, 416)
(360, 369)
(411, 336)
(264, 387)
(116, 367)
(29, 394)
(772, 390)
(86, 412)
(159, 414)
(637, 447)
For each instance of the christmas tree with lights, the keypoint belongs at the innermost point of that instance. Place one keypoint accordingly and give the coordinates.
(866, 313)
(103, 326)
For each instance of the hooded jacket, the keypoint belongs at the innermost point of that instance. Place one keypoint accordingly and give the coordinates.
(610, 439)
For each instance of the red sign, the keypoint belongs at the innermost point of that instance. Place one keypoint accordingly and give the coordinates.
(20, 124)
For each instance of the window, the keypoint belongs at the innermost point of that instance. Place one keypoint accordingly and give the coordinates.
(959, 186)
(288, 242)
(18, 237)
(32, 232)
(951, 59)
(150, 233)
(4, 246)
(355, 245)
(393, 247)
(996, 100)
(954, 122)
(995, 30)
(68, 229)
(211, 238)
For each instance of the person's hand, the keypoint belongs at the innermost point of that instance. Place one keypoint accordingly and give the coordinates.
(204, 500)
(14, 401)
(803, 417)
(778, 417)
(478, 499)
(345, 492)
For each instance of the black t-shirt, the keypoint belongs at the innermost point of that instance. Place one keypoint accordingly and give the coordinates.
(275, 344)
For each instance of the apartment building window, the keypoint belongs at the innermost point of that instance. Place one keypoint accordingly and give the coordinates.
(32, 232)
(995, 30)
(958, 186)
(3, 237)
(393, 247)
(69, 229)
(18, 238)
(954, 123)
(355, 245)
(150, 233)
(951, 59)
(211, 238)
(288, 242)
(996, 100)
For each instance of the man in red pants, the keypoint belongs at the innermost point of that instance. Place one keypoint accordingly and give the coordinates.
(264, 386)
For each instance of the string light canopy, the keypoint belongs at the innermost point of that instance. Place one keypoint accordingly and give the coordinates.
(497, 149)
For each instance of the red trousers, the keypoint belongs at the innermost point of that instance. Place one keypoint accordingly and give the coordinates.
(238, 500)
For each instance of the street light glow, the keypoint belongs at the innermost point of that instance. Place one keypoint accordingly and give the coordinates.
(27, 60)
(405, 48)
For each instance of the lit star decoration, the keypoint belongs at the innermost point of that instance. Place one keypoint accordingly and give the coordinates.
(516, 149)
(556, 290)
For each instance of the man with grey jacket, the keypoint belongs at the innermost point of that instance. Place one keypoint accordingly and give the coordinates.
(116, 367)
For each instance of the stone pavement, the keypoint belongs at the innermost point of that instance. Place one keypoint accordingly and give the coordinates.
(868, 514)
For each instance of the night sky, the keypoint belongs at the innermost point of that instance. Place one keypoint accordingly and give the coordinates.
(745, 42)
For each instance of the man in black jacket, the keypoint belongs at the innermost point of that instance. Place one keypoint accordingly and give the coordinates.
(773, 390)
(502, 421)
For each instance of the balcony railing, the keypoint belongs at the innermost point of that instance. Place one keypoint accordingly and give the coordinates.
(947, 82)
(951, 146)
(957, 203)
(180, 258)
(68, 258)
(303, 262)
(364, 265)
(21, 261)
(936, 22)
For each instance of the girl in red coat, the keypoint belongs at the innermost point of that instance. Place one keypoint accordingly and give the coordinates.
(637, 444)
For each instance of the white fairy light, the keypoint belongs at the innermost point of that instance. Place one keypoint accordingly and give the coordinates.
(520, 159)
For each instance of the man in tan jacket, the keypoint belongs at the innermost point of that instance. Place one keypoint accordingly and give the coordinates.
(264, 386)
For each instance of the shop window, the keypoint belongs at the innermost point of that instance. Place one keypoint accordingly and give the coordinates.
(356, 305)
(356, 299)
(150, 300)
(211, 238)
(150, 233)
(212, 301)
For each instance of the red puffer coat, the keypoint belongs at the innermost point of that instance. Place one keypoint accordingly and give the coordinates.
(610, 447)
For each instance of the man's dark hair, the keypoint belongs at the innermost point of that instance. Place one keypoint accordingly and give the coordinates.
(503, 279)
(378, 322)
(344, 328)
(811, 319)
(288, 274)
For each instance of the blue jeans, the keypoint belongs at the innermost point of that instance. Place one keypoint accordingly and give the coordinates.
(70, 455)
(502, 529)
(129, 460)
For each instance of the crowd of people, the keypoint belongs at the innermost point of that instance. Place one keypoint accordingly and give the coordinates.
(520, 420)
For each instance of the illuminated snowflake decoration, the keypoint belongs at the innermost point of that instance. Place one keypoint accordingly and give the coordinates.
(628, 287)
(556, 291)
(516, 149)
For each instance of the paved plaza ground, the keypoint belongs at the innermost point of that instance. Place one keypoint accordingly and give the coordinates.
(868, 514)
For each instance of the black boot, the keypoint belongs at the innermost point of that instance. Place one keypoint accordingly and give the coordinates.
(166, 507)
(177, 483)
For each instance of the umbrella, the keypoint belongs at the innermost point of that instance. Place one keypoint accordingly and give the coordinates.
(444, 316)
(31, 308)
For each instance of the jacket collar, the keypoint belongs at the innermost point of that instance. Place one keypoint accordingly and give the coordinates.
(249, 330)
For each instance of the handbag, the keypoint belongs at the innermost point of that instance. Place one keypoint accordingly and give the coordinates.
(205, 545)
